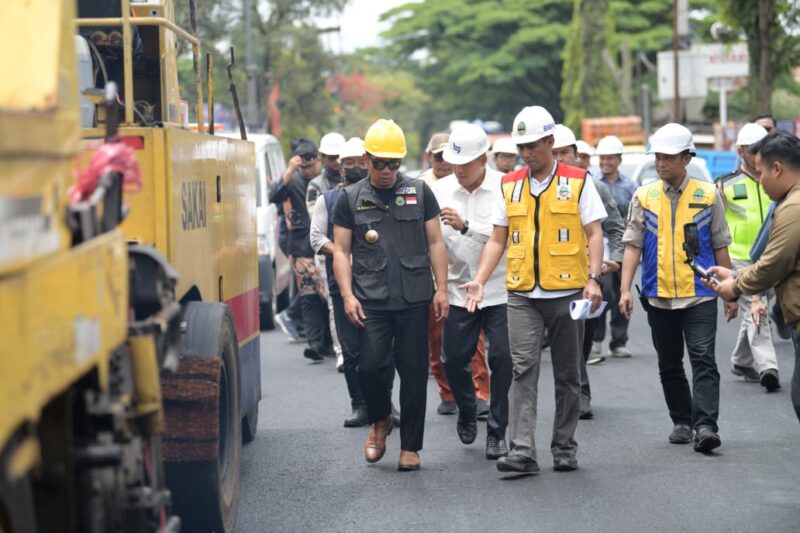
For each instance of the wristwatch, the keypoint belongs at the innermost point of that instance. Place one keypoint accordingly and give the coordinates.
(596, 277)
(465, 229)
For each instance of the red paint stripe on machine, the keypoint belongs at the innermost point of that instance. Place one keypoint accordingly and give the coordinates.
(245, 313)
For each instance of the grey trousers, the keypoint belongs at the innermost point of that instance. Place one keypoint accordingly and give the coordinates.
(527, 320)
(754, 346)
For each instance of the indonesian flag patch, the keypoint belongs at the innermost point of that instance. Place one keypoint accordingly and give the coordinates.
(411, 200)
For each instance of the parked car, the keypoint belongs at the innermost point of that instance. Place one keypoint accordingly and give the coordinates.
(274, 270)
(641, 168)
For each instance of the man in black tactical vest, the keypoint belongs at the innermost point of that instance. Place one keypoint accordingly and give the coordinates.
(389, 226)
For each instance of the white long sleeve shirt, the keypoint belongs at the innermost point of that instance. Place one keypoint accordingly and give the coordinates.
(464, 251)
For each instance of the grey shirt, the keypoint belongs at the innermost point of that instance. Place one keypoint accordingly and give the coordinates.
(613, 225)
(634, 236)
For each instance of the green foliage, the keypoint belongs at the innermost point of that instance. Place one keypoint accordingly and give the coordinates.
(483, 58)
(588, 89)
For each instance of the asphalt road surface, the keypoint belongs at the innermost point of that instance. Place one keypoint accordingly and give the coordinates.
(306, 472)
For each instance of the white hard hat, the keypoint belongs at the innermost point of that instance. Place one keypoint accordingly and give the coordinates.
(584, 147)
(671, 139)
(750, 134)
(563, 137)
(466, 143)
(331, 143)
(504, 145)
(354, 147)
(610, 145)
(531, 124)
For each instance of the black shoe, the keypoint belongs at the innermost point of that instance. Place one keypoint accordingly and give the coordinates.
(467, 430)
(769, 380)
(565, 464)
(483, 410)
(308, 353)
(706, 439)
(681, 434)
(447, 408)
(357, 419)
(747, 372)
(585, 412)
(518, 463)
(395, 416)
(495, 447)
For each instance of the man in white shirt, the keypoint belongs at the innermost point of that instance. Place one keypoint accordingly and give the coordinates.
(547, 216)
(467, 198)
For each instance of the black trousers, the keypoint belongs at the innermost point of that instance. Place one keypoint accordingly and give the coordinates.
(619, 324)
(295, 309)
(589, 327)
(348, 339)
(315, 322)
(460, 340)
(697, 327)
(796, 374)
(401, 335)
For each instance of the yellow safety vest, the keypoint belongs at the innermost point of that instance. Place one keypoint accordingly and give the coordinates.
(546, 240)
(665, 273)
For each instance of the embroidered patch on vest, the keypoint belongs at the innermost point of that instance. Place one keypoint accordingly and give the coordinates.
(400, 201)
(698, 194)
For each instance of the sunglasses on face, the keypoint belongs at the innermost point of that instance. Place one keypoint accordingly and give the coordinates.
(308, 157)
(380, 164)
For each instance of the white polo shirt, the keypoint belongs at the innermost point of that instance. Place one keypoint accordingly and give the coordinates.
(464, 251)
(591, 208)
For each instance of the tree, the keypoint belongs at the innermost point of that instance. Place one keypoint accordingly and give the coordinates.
(483, 58)
(589, 89)
(772, 49)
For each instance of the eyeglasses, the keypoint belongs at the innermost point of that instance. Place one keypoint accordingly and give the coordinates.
(309, 157)
(380, 164)
(438, 157)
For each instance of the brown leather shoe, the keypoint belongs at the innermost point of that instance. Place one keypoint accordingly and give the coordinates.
(408, 461)
(376, 440)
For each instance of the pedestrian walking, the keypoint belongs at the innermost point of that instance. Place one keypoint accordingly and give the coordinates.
(609, 150)
(547, 216)
(565, 150)
(480, 374)
(467, 198)
(353, 168)
(680, 309)
(746, 208)
(778, 163)
(329, 147)
(388, 225)
(504, 154)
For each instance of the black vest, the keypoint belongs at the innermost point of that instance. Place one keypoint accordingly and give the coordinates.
(393, 272)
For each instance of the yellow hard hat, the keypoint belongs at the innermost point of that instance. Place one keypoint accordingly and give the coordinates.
(385, 139)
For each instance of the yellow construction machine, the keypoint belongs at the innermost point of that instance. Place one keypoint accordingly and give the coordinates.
(87, 321)
(197, 207)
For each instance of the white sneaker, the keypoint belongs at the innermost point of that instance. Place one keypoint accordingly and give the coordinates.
(621, 351)
(597, 347)
(340, 363)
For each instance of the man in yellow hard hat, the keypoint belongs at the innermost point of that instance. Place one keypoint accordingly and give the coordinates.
(388, 226)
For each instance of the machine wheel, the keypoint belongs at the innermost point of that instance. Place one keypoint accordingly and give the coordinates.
(250, 425)
(266, 316)
(206, 494)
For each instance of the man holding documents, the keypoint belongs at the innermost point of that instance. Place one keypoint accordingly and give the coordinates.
(548, 215)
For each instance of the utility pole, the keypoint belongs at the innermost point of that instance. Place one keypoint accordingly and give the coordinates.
(250, 68)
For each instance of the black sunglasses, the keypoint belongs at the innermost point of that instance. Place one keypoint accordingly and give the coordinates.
(380, 164)
(309, 157)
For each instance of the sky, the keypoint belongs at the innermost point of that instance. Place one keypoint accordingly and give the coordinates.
(359, 25)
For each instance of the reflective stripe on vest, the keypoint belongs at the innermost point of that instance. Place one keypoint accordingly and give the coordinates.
(746, 208)
(546, 240)
(665, 273)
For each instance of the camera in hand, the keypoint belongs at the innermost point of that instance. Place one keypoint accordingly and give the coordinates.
(691, 245)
